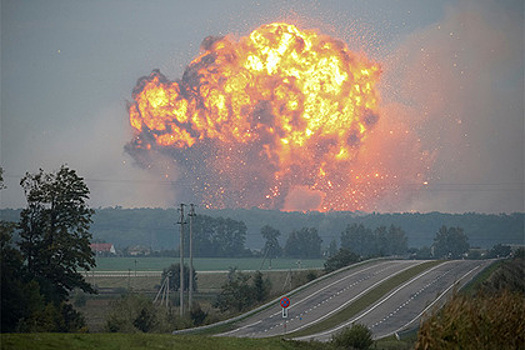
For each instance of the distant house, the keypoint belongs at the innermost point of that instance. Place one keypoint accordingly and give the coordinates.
(103, 248)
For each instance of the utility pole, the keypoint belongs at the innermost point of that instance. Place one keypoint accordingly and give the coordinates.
(181, 223)
(191, 215)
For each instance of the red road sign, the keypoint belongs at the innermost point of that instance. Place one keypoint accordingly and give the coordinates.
(285, 302)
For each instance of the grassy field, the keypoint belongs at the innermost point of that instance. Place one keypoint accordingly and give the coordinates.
(203, 264)
(209, 285)
(141, 341)
(144, 341)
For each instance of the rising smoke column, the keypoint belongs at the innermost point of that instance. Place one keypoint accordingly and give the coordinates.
(271, 120)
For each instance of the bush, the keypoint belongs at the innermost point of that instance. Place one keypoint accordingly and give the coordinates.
(483, 322)
(132, 313)
(344, 257)
(356, 337)
(61, 318)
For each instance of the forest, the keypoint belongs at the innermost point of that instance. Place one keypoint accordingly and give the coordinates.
(158, 229)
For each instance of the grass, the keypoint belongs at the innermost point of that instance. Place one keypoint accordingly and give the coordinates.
(44, 341)
(366, 300)
(203, 264)
(477, 281)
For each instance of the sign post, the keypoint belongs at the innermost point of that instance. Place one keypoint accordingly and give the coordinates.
(285, 302)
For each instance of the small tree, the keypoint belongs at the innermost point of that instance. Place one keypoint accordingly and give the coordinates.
(271, 249)
(261, 287)
(174, 273)
(236, 294)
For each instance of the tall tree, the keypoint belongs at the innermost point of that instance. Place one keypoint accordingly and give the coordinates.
(397, 241)
(450, 243)
(304, 243)
(219, 237)
(54, 230)
(358, 239)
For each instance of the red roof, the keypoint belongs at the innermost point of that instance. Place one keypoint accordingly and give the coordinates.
(101, 247)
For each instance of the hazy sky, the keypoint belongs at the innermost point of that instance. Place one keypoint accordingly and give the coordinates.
(452, 73)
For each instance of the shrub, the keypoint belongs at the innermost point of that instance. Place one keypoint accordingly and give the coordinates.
(356, 337)
(131, 313)
(344, 257)
(483, 322)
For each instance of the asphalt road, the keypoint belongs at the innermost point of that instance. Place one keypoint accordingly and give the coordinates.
(320, 301)
(403, 307)
(399, 309)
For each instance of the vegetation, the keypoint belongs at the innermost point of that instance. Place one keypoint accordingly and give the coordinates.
(54, 245)
(500, 251)
(451, 243)
(142, 341)
(380, 242)
(487, 322)
(357, 337)
(219, 237)
(154, 227)
(489, 318)
(239, 295)
(174, 274)
(272, 249)
(303, 243)
(134, 313)
(344, 257)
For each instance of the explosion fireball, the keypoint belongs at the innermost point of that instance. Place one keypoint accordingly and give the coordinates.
(276, 117)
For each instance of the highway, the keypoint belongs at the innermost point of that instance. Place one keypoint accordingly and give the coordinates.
(400, 308)
(403, 307)
(320, 300)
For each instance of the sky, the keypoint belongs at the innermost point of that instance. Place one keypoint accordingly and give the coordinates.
(453, 73)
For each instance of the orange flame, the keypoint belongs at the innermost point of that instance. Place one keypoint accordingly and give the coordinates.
(283, 108)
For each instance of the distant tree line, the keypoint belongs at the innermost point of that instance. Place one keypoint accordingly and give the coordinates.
(156, 227)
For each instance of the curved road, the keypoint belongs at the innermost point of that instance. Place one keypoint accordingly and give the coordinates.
(398, 309)
(320, 300)
(403, 307)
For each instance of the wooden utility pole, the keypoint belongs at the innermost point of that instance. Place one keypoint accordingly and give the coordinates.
(191, 215)
(181, 223)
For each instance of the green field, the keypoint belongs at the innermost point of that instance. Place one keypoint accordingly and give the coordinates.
(203, 264)
(144, 341)
(141, 341)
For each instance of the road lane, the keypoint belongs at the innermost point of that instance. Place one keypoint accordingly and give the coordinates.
(403, 306)
(320, 301)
